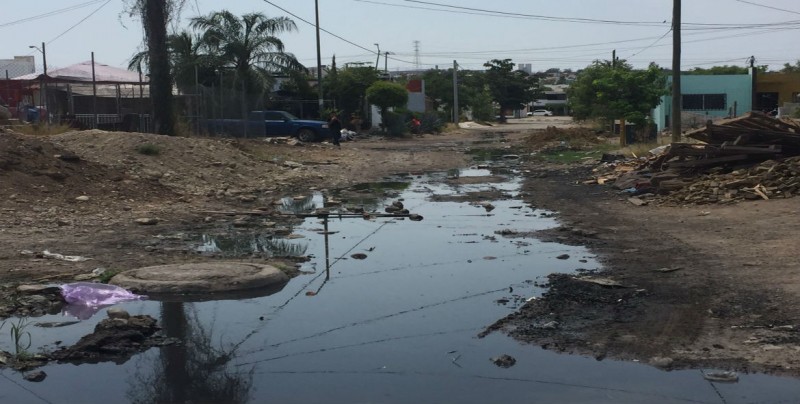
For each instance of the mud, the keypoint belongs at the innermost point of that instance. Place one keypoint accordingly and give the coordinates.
(729, 297)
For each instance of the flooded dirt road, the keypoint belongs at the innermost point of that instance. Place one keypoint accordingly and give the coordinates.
(395, 318)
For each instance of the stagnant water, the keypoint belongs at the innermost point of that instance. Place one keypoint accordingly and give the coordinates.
(397, 327)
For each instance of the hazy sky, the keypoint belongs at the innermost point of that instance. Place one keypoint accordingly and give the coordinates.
(545, 33)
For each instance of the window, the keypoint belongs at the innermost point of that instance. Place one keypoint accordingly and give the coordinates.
(699, 102)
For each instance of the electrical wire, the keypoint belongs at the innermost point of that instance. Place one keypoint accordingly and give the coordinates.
(79, 22)
(50, 13)
(766, 6)
(331, 33)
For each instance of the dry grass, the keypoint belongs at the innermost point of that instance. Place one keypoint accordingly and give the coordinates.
(41, 129)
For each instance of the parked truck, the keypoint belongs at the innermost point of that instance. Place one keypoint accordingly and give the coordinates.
(270, 123)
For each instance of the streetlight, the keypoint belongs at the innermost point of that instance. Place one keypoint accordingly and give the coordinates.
(43, 50)
(379, 56)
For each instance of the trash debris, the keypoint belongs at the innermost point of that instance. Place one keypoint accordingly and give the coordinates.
(722, 377)
(85, 298)
(70, 258)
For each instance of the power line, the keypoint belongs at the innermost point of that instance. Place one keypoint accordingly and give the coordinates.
(539, 17)
(652, 44)
(766, 6)
(328, 32)
(49, 13)
(79, 22)
(482, 12)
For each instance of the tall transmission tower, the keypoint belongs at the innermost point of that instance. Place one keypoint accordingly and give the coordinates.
(416, 55)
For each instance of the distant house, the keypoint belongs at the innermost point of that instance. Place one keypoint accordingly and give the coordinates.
(776, 90)
(92, 95)
(707, 97)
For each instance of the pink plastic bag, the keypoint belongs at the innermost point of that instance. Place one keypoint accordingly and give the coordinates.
(96, 294)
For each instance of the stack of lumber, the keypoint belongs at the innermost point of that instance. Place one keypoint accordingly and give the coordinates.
(751, 157)
(749, 139)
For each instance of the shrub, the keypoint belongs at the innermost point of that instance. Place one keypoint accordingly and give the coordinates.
(148, 149)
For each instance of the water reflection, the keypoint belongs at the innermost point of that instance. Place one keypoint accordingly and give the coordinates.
(239, 245)
(193, 370)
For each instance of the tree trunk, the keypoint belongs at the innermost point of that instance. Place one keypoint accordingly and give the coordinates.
(154, 21)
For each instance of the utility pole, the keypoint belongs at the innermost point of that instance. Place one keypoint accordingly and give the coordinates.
(455, 92)
(675, 117)
(44, 63)
(386, 61)
(319, 61)
(378, 59)
(623, 133)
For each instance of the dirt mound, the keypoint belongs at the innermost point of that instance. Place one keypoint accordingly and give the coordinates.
(36, 172)
(575, 137)
(192, 166)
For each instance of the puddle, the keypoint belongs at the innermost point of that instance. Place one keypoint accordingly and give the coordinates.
(398, 326)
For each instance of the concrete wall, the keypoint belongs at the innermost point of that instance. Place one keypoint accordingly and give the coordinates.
(737, 87)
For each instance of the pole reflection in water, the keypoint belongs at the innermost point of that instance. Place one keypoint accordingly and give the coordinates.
(191, 370)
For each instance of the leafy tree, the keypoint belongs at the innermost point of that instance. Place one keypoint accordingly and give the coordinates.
(348, 87)
(791, 68)
(188, 62)
(250, 47)
(607, 92)
(509, 88)
(387, 95)
(725, 69)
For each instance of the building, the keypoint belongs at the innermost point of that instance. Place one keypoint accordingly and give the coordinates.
(776, 90)
(18, 66)
(707, 97)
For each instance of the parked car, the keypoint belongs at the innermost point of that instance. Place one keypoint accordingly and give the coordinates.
(540, 112)
(270, 123)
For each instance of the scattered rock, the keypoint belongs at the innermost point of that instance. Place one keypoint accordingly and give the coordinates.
(146, 221)
(563, 256)
(116, 312)
(359, 256)
(36, 376)
(661, 362)
(415, 217)
(82, 198)
(504, 361)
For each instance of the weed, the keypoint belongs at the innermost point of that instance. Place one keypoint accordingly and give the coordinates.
(18, 336)
(148, 149)
(106, 276)
(41, 129)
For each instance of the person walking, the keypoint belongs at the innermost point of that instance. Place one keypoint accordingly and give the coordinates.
(336, 129)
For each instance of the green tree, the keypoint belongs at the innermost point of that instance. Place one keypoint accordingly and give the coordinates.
(250, 47)
(725, 69)
(791, 68)
(509, 88)
(348, 87)
(387, 95)
(471, 91)
(607, 92)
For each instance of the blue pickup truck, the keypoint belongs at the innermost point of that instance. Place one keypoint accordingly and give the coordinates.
(270, 123)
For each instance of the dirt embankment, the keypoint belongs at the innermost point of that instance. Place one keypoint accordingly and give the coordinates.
(686, 286)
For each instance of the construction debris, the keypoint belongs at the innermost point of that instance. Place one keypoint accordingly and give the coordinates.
(750, 157)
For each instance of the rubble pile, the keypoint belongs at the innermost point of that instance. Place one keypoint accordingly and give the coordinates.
(750, 157)
(768, 180)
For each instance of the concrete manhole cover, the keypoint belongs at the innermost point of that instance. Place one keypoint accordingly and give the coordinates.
(200, 278)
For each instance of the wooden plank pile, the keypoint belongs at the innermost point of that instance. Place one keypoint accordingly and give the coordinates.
(749, 139)
(750, 157)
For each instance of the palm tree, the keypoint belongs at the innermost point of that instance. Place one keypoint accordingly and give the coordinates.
(155, 14)
(250, 47)
(186, 59)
